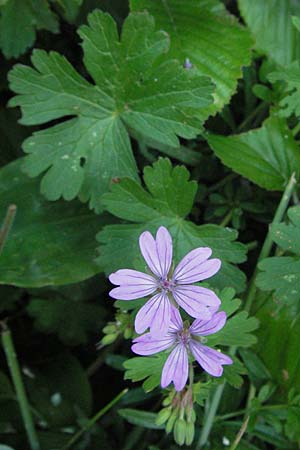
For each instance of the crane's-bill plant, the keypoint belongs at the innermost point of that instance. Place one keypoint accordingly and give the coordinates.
(149, 247)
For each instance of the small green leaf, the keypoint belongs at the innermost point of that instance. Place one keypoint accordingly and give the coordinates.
(208, 35)
(267, 156)
(237, 331)
(19, 21)
(49, 243)
(70, 8)
(149, 368)
(137, 88)
(290, 103)
(140, 418)
(270, 22)
(233, 372)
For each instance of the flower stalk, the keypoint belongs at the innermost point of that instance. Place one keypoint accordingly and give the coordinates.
(15, 372)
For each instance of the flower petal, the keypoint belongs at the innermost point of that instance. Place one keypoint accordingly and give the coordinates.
(176, 323)
(197, 301)
(209, 359)
(156, 314)
(157, 253)
(195, 266)
(206, 327)
(176, 368)
(147, 344)
(133, 284)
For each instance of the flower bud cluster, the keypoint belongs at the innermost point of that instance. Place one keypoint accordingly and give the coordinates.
(122, 326)
(178, 415)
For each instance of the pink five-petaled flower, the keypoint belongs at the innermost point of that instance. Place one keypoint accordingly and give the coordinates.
(184, 340)
(198, 302)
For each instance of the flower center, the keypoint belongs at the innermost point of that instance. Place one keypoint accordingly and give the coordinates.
(184, 336)
(166, 285)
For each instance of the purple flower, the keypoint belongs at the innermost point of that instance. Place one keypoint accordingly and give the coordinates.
(184, 340)
(168, 289)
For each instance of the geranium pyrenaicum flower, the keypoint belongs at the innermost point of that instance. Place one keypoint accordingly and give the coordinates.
(185, 340)
(168, 289)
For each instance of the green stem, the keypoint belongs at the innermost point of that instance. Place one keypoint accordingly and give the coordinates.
(296, 129)
(210, 417)
(15, 372)
(7, 224)
(241, 412)
(251, 116)
(221, 183)
(226, 219)
(267, 246)
(93, 420)
(240, 434)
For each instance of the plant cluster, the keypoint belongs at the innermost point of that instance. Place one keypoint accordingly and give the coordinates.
(150, 224)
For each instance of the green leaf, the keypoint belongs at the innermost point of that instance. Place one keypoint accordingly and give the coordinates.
(278, 345)
(258, 372)
(208, 35)
(50, 243)
(145, 368)
(71, 320)
(137, 88)
(168, 200)
(290, 75)
(59, 390)
(267, 156)
(233, 372)
(237, 331)
(270, 22)
(140, 418)
(282, 273)
(70, 8)
(19, 21)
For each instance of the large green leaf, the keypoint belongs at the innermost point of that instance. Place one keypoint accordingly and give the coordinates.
(50, 243)
(267, 156)
(167, 202)
(282, 273)
(137, 88)
(19, 20)
(271, 24)
(208, 35)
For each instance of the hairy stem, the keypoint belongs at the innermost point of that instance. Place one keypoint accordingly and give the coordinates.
(15, 372)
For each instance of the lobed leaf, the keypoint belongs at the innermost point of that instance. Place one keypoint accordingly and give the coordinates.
(137, 88)
(168, 200)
